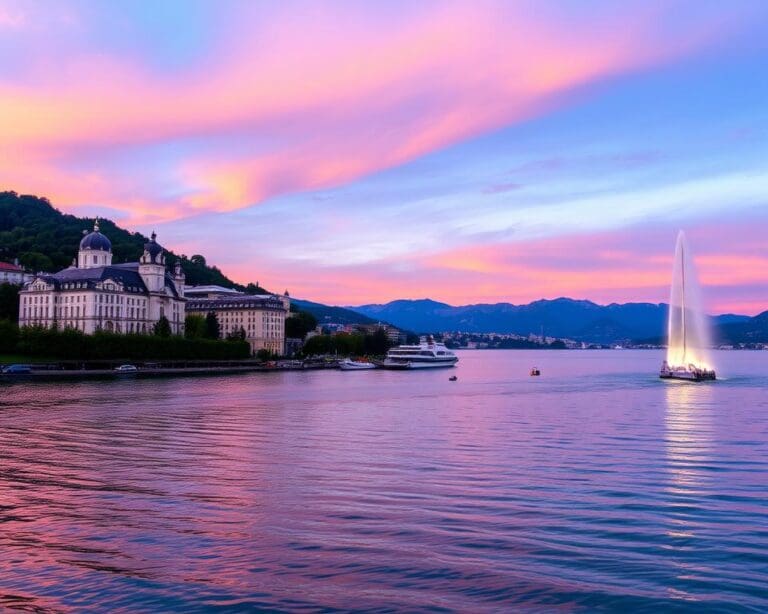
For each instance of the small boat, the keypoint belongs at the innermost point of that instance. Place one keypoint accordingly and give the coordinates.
(535, 371)
(453, 378)
(355, 365)
(126, 370)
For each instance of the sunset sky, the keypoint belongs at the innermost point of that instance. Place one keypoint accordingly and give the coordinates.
(357, 152)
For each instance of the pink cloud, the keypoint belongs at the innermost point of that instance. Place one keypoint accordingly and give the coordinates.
(315, 100)
(631, 265)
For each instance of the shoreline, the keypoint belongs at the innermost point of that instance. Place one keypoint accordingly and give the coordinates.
(106, 369)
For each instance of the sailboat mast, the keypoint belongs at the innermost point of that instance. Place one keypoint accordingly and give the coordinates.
(682, 299)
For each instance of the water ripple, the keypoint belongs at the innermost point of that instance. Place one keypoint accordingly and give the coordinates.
(596, 487)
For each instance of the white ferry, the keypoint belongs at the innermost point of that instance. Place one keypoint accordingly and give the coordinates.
(429, 354)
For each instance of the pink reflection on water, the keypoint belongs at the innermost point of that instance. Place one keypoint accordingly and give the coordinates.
(384, 489)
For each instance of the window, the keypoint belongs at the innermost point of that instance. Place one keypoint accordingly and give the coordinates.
(95, 259)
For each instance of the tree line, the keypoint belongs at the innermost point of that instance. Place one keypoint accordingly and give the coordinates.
(348, 344)
(73, 344)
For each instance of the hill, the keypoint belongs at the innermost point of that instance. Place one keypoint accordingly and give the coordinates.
(562, 317)
(754, 330)
(44, 239)
(326, 313)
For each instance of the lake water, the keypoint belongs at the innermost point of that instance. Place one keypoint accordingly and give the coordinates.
(595, 486)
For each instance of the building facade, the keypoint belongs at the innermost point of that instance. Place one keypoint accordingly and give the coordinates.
(12, 273)
(94, 294)
(260, 317)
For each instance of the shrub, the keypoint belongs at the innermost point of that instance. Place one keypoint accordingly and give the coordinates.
(72, 344)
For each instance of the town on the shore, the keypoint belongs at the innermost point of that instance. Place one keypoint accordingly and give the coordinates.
(95, 296)
(98, 309)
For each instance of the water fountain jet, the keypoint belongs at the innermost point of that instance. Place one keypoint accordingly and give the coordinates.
(689, 338)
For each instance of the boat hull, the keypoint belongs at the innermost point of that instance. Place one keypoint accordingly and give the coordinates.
(697, 375)
(356, 366)
(419, 365)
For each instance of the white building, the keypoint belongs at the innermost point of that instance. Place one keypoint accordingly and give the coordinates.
(94, 294)
(13, 274)
(260, 316)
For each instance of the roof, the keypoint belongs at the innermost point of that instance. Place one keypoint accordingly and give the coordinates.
(96, 240)
(153, 248)
(128, 277)
(126, 274)
(211, 289)
(243, 301)
(7, 266)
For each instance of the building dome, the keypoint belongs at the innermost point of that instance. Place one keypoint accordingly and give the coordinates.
(95, 240)
(153, 248)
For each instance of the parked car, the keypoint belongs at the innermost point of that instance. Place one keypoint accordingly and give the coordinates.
(17, 369)
(126, 369)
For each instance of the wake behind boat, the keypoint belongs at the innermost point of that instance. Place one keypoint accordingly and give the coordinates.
(429, 354)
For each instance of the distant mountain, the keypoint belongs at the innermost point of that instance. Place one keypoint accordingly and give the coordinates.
(752, 330)
(562, 317)
(326, 313)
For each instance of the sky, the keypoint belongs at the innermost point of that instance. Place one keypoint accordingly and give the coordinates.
(357, 152)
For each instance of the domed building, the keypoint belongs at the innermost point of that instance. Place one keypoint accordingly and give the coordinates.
(94, 294)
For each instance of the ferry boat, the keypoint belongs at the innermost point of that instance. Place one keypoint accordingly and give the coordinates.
(355, 365)
(428, 354)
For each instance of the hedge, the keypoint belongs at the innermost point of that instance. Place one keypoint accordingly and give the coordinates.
(73, 344)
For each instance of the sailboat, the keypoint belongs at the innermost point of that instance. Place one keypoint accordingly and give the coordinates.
(688, 328)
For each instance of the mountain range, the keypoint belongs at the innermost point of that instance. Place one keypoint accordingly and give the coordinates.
(580, 320)
(337, 315)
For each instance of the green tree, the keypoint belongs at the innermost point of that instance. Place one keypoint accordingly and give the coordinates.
(299, 324)
(198, 260)
(377, 343)
(194, 326)
(162, 327)
(35, 261)
(263, 354)
(72, 344)
(9, 302)
(255, 288)
(319, 344)
(212, 328)
(9, 336)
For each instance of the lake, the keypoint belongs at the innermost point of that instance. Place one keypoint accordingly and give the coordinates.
(594, 486)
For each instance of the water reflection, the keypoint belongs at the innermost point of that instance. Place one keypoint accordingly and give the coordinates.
(688, 446)
(593, 486)
(688, 441)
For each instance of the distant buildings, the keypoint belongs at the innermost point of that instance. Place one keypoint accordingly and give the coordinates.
(94, 294)
(12, 273)
(260, 317)
(394, 335)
